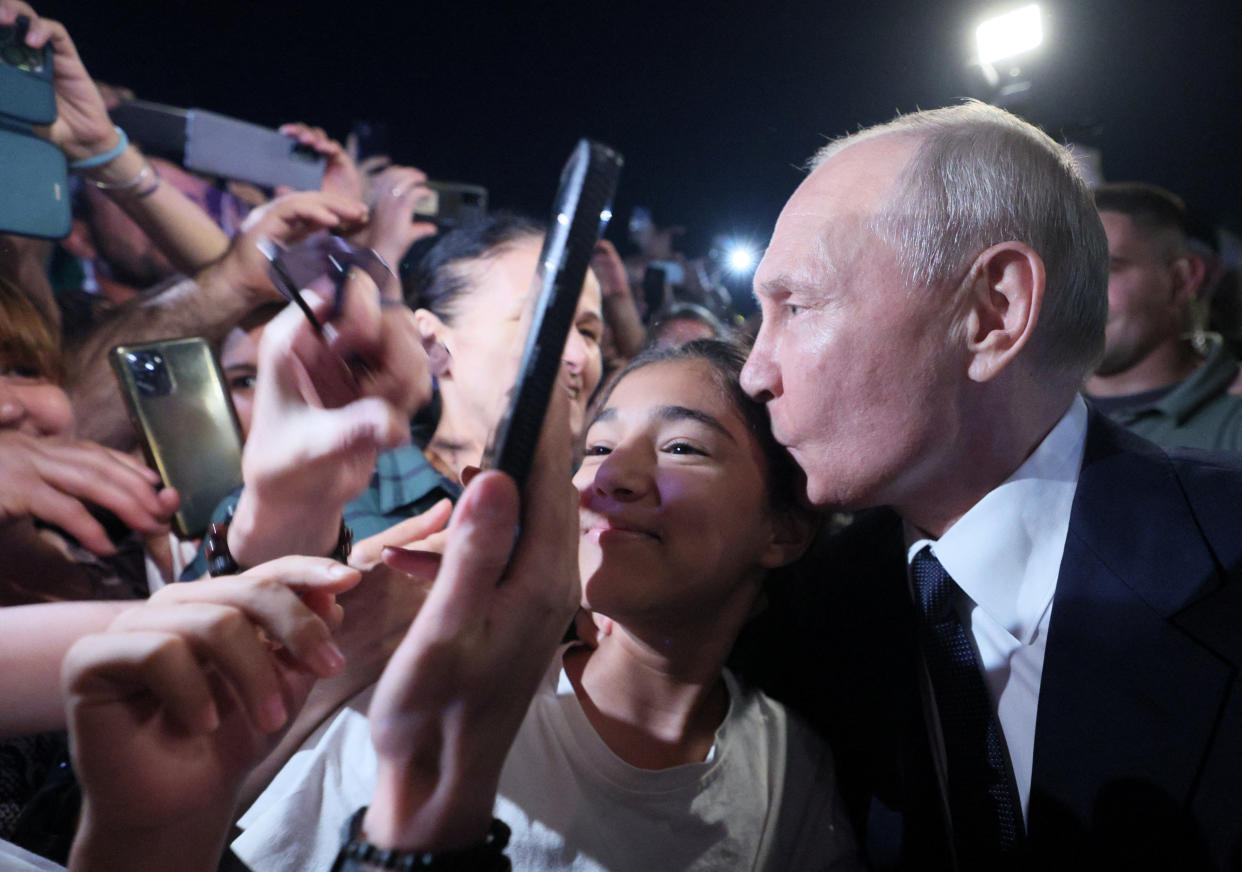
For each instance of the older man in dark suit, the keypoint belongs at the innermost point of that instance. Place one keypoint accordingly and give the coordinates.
(1032, 657)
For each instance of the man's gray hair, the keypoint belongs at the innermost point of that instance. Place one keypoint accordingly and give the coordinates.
(981, 176)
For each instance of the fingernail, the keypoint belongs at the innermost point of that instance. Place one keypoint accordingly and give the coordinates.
(274, 713)
(327, 659)
(340, 571)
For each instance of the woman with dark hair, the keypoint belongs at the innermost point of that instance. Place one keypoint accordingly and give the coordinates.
(469, 293)
(640, 749)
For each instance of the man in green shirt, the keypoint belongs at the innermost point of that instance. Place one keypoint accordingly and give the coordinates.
(1165, 385)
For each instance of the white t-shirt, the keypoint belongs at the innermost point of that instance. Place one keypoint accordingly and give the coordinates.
(765, 799)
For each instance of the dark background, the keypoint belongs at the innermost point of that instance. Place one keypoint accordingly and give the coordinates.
(714, 105)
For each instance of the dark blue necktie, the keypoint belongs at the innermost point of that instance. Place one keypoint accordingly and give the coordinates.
(983, 796)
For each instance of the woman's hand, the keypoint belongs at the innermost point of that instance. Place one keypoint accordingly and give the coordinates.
(56, 480)
(82, 128)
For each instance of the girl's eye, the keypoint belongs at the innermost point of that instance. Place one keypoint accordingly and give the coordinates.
(241, 382)
(597, 450)
(590, 334)
(683, 448)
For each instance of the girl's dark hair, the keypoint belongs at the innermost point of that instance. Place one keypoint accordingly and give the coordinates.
(725, 359)
(429, 278)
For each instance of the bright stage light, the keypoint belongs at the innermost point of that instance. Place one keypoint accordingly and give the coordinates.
(741, 258)
(1012, 33)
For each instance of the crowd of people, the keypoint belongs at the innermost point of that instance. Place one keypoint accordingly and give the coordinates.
(933, 566)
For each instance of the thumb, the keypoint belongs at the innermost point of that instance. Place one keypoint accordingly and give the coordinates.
(479, 541)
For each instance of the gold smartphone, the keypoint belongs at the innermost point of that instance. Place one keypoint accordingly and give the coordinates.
(180, 407)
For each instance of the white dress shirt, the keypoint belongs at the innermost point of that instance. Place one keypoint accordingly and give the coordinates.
(1005, 555)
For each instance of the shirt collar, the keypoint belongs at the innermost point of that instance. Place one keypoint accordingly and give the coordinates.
(1005, 553)
(404, 476)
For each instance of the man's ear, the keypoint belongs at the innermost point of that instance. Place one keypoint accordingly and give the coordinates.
(1000, 306)
(434, 334)
(1188, 272)
(792, 534)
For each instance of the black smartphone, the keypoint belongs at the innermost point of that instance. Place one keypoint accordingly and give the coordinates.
(180, 406)
(579, 214)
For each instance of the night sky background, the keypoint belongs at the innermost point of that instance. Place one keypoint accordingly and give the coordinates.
(714, 105)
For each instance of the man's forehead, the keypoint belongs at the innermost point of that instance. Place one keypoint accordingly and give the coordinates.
(827, 221)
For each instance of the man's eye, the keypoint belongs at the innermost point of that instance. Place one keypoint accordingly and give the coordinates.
(793, 308)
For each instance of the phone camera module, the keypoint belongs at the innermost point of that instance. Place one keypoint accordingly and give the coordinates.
(151, 375)
(16, 53)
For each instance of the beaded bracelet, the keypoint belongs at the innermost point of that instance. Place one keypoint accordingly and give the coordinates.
(359, 855)
(220, 560)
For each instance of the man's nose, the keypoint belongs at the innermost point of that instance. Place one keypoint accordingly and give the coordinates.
(760, 377)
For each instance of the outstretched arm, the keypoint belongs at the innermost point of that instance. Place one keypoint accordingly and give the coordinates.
(171, 707)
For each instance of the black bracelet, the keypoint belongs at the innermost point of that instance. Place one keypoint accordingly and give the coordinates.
(359, 855)
(220, 560)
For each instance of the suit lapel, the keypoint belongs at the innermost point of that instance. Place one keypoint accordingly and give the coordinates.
(1128, 700)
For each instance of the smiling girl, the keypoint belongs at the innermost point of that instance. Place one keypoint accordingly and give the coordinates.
(640, 749)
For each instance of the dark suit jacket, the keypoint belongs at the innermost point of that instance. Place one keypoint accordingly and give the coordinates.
(1138, 737)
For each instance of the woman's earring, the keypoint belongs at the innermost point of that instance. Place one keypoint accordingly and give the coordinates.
(439, 358)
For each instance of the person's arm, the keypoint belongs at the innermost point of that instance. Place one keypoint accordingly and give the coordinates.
(170, 708)
(33, 642)
(209, 306)
(620, 310)
(453, 696)
(82, 130)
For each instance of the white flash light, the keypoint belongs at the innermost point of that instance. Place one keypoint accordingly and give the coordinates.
(1009, 34)
(740, 258)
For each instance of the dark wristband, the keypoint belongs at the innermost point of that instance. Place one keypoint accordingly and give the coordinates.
(220, 560)
(359, 855)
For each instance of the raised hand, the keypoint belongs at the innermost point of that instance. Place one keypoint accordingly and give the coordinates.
(454, 694)
(82, 128)
(319, 423)
(340, 175)
(288, 219)
(395, 192)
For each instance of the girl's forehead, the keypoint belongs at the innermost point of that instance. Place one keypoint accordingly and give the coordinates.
(688, 382)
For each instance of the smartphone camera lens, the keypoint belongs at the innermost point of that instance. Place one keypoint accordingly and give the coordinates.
(151, 375)
(16, 54)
